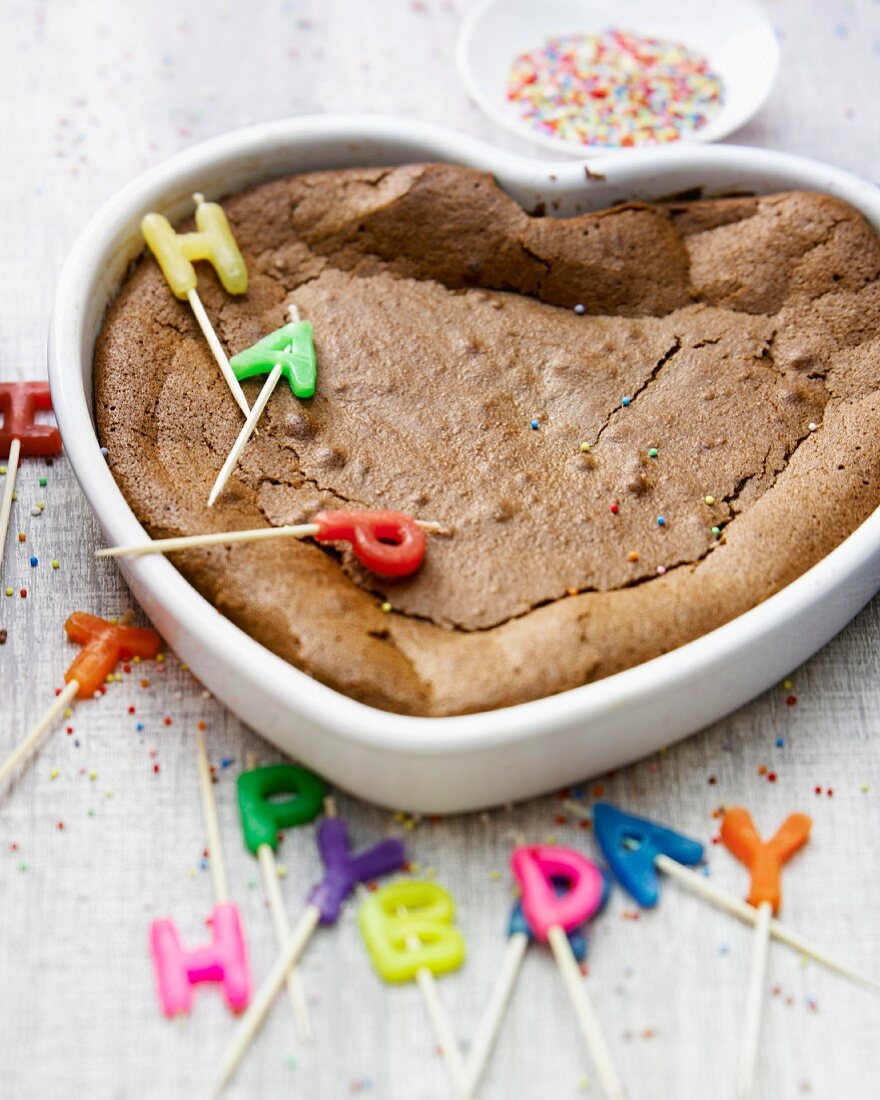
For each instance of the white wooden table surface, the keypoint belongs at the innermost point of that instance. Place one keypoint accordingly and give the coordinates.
(93, 93)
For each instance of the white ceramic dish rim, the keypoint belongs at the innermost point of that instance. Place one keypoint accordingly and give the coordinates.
(727, 121)
(275, 147)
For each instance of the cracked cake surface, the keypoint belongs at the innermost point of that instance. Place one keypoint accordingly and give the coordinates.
(706, 428)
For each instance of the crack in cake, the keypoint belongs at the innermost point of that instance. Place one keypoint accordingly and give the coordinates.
(636, 424)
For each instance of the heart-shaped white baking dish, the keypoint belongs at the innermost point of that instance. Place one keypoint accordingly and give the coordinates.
(461, 763)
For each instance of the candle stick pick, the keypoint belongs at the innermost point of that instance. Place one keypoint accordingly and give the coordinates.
(550, 916)
(519, 936)
(409, 932)
(288, 352)
(764, 861)
(262, 819)
(636, 849)
(224, 959)
(390, 544)
(216, 863)
(343, 871)
(213, 241)
(493, 1016)
(104, 645)
(21, 435)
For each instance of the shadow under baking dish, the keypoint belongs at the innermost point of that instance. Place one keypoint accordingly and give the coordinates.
(442, 765)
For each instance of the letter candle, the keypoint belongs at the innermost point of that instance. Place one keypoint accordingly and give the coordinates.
(288, 351)
(390, 544)
(409, 932)
(343, 871)
(213, 241)
(550, 916)
(764, 861)
(21, 435)
(224, 959)
(636, 849)
(104, 645)
(519, 936)
(261, 821)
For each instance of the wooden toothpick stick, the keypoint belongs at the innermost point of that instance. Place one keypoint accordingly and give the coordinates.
(23, 748)
(343, 871)
(751, 1028)
(281, 926)
(707, 890)
(490, 1023)
(440, 1024)
(244, 435)
(585, 1013)
(253, 1018)
(217, 351)
(250, 424)
(212, 826)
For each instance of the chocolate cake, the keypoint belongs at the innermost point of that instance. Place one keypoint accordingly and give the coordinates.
(635, 424)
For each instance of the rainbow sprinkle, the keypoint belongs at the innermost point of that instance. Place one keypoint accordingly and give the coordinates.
(614, 89)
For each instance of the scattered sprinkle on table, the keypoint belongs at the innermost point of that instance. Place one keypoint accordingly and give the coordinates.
(613, 89)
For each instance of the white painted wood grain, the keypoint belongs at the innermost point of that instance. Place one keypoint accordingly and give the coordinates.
(93, 92)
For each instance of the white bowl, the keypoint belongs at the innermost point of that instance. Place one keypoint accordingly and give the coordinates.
(443, 764)
(735, 36)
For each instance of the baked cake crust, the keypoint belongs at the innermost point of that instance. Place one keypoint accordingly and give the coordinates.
(443, 327)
